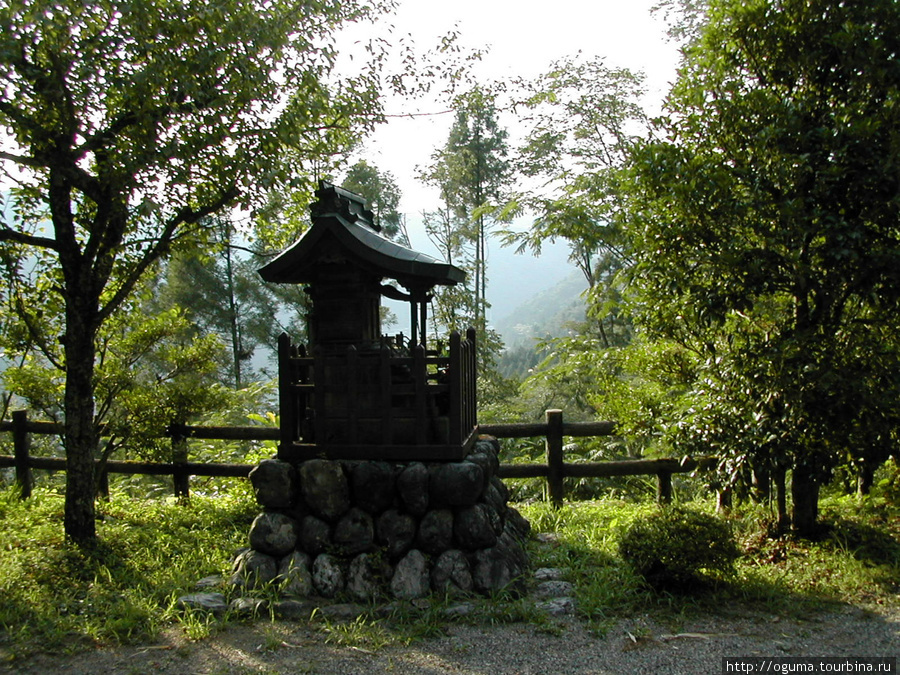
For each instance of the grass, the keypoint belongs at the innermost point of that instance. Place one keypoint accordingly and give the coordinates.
(857, 560)
(59, 597)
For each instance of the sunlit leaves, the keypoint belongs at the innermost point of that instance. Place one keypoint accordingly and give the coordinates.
(764, 216)
(581, 116)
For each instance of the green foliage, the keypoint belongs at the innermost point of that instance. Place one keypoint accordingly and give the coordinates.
(153, 370)
(472, 172)
(763, 214)
(856, 562)
(60, 596)
(581, 117)
(673, 547)
(126, 127)
(221, 292)
(382, 195)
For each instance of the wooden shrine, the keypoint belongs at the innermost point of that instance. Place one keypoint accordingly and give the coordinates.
(353, 393)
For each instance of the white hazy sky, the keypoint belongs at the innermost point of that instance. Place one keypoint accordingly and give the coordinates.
(524, 38)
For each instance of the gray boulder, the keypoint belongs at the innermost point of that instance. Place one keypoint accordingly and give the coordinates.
(292, 609)
(372, 486)
(252, 569)
(457, 484)
(452, 573)
(436, 531)
(315, 535)
(516, 524)
(500, 567)
(327, 575)
(354, 532)
(366, 577)
(411, 578)
(396, 532)
(294, 576)
(488, 445)
(557, 606)
(488, 464)
(476, 527)
(274, 483)
(324, 488)
(213, 603)
(412, 485)
(274, 534)
(247, 607)
(554, 588)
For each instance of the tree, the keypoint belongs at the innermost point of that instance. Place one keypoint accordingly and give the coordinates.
(582, 117)
(765, 222)
(382, 195)
(221, 293)
(126, 126)
(472, 171)
(152, 369)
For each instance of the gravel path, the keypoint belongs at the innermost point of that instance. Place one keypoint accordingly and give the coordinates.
(634, 645)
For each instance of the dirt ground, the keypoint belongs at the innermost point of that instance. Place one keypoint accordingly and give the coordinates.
(634, 645)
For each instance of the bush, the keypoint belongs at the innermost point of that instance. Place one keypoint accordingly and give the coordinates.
(673, 547)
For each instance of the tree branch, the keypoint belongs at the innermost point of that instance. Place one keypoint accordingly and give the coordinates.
(21, 160)
(39, 341)
(8, 234)
(185, 216)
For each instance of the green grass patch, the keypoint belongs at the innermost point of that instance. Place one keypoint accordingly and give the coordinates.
(857, 559)
(59, 597)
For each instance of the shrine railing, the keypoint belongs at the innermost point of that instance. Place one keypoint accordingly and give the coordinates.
(353, 403)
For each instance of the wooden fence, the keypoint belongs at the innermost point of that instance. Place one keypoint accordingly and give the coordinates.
(554, 429)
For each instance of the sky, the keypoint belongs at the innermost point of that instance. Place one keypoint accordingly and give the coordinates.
(523, 38)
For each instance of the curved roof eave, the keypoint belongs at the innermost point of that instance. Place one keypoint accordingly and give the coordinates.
(389, 258)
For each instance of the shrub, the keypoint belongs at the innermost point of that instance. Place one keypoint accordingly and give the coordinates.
(673, 547)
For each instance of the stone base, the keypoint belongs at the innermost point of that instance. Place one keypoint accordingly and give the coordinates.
(380, 529)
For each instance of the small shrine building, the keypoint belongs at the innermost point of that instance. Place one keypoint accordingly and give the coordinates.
(352, 393)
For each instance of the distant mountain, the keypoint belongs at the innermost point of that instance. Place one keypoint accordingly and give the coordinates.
(544, 314)
(513, 278)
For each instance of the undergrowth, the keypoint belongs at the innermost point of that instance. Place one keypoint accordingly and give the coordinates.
(60, 597)
(857, 559)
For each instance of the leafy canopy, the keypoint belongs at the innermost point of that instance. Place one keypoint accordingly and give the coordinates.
(764, 218)
(126, 124)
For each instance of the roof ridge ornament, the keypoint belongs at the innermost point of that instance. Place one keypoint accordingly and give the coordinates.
(347, 204)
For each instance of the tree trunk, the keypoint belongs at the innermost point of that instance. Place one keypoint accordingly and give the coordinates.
(761, 492)
(805, 495)
(778, 480)
(236, 346)
(81, 437)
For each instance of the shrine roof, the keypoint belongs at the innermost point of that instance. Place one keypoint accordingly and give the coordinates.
(340, 216)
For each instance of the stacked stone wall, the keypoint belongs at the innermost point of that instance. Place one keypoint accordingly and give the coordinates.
(372, 529)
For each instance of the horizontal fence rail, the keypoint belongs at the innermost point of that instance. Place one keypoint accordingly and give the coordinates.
(553, 430)
(556, 470)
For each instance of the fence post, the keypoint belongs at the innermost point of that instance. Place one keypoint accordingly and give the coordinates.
(21, 450)
(103, 484)
(664, 487)
(180, 479)
(555, 481)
